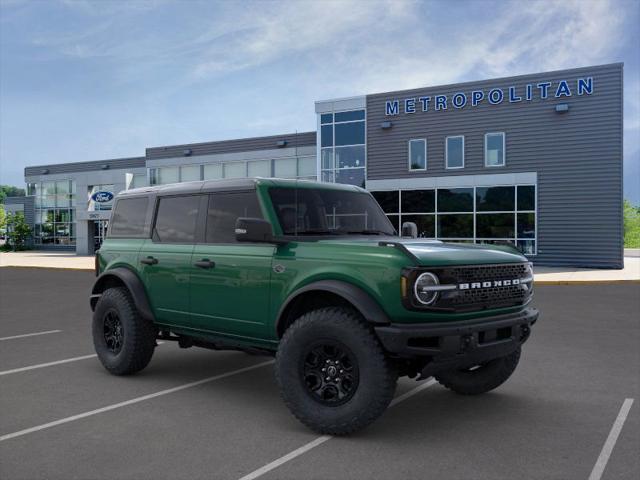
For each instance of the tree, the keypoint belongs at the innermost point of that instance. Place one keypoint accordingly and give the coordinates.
(3, 217)
(631, 225)
(17, 231)
(10, 191)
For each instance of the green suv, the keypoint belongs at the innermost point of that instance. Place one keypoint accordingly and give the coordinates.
(314, 274)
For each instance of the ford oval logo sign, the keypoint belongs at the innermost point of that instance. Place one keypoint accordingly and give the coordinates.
(102, 197)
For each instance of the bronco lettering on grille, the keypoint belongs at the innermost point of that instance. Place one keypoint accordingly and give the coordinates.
(489, 284)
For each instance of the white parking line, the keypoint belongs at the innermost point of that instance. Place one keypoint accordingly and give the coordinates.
(130, 402)
(601, 463)
(48, 364)
(29, 335)
(325, 438)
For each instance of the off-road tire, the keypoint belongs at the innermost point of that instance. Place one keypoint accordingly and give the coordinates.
(377, 377)
(482, 379)
(138, 335)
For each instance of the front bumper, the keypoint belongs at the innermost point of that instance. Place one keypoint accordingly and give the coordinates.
(453, 345)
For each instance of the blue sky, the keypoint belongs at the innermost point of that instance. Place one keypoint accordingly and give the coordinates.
(87, 80)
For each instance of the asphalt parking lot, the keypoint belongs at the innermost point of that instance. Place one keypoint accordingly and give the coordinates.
(201, 414)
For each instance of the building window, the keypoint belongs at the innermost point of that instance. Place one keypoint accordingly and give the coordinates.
(455, 152)
(213, 171)
(503, 214)
(138, 180)
(288, 167)
(418, 154)
(235, 170)
(55, 213)
(343, 147)
(494, 150)
(190, 173)
(164, 175)
(259, 168)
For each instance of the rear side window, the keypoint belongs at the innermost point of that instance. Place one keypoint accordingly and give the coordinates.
(224, 210)
(128, 218)
(176, 219)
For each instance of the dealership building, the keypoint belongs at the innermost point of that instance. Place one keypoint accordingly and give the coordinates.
(534, 161)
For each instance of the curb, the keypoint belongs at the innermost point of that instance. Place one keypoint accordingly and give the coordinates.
(633, 281)
(78, 269)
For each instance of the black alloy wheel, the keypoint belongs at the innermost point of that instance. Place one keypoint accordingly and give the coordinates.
(330, 373)
(113, 331)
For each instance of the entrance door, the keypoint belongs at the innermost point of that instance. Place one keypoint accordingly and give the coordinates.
(166, 258)
(230, 288)
(99, 233)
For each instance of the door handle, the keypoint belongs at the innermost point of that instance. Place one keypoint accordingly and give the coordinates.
(149, 261)
(205, 263)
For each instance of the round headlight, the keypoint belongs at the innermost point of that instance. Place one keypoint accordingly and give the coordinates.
(424, 294)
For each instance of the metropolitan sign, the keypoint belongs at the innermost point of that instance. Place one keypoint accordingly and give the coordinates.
(493, 96)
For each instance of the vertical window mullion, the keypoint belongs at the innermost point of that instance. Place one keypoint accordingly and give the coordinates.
(515, 216)
(435, 201)
(475, 212)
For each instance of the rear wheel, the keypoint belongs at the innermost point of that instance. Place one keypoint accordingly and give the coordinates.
(480, 378)
(123, 340)
(332, 372)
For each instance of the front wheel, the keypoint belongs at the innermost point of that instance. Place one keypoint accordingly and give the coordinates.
(124, 341)
(480, 378)
(332, 372)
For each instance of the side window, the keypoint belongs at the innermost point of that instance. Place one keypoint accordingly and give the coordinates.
(128, 218)
(176, 219)
(224, 210)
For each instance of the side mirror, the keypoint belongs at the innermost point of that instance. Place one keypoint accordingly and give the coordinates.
(409, 229)
(255, 230)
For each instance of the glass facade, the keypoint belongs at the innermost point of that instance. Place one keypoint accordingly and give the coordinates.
(303, 168)
(343, 147)
(54, 212)
(504, 214)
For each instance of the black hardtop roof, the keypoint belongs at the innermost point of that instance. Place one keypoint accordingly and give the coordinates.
(229, 184)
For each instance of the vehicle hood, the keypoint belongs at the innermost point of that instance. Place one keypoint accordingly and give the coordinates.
(436, 253)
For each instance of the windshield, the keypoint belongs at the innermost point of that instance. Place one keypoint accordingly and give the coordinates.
(318, 211)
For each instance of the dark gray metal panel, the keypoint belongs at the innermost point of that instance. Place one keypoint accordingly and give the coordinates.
(112, 164)
(577, 155)
(231, 146)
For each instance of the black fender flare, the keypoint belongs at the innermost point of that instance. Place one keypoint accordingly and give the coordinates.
(133, 284)
(361, 300)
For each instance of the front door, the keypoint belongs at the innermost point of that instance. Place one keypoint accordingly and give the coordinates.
(166, 258)
(100, 228)
(230, 281)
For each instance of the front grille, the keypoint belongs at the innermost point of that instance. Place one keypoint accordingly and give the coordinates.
(487, 297)
(480, 273)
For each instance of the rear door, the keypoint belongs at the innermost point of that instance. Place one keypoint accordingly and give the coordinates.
(230, 281)
(166, 257)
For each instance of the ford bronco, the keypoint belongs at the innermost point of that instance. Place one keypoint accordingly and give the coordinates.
(315, 275)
